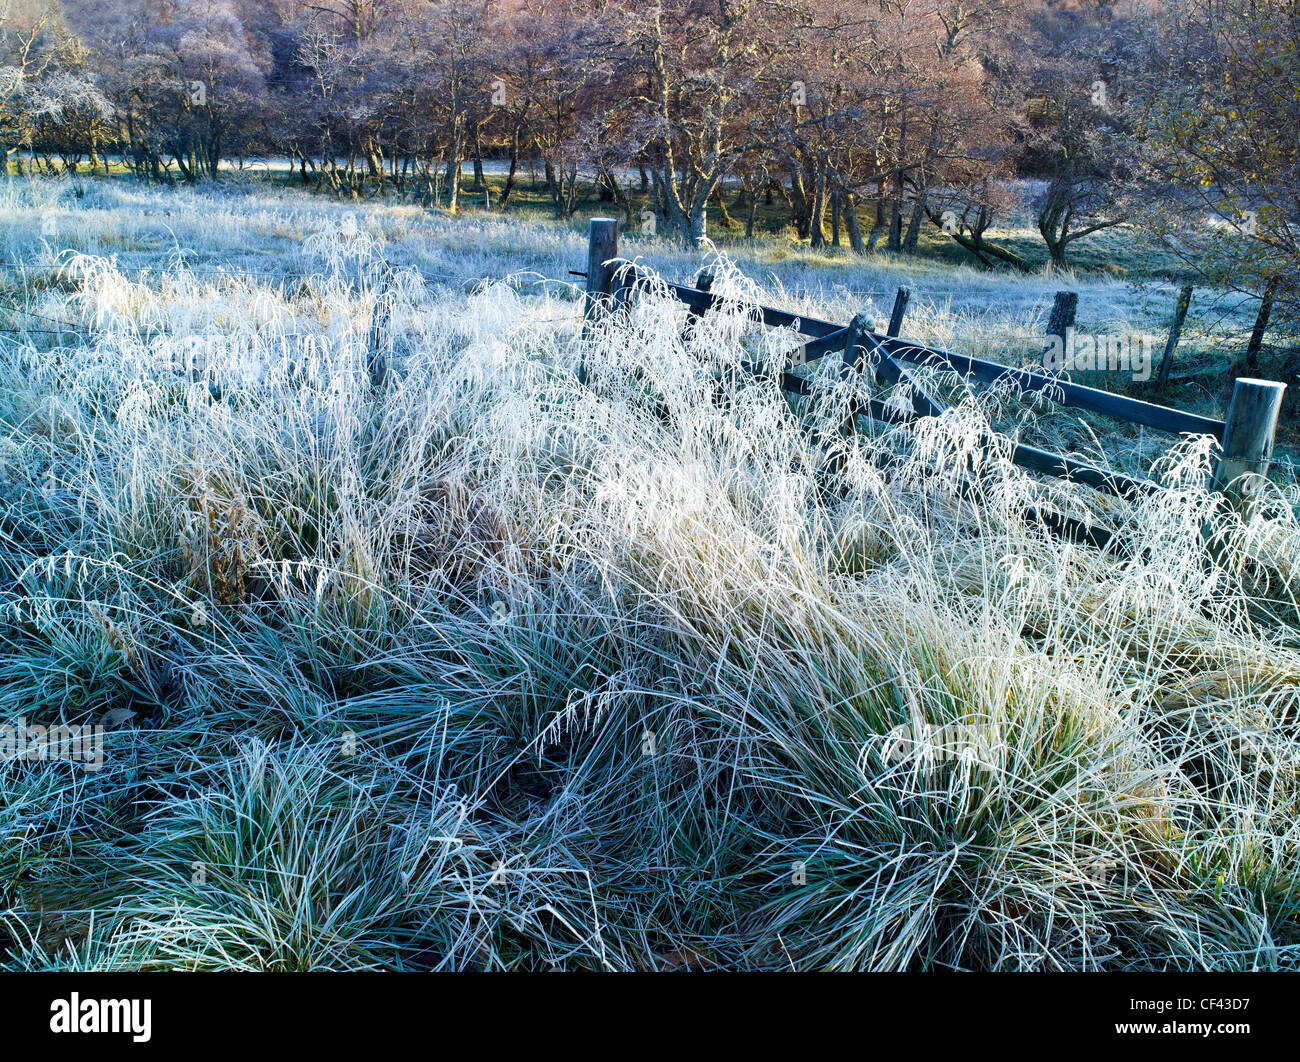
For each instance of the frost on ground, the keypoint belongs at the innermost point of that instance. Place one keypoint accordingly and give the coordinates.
(488, 669)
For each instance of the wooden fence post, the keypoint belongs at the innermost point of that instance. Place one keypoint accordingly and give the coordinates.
(1248, 438)
(602, 248)
(900, 308)
(377, 360)
(1175, 330)
(855, 348)
(704, 282)
(1064, 307)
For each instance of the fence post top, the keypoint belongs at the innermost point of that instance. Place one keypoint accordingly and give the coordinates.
(1250, 381)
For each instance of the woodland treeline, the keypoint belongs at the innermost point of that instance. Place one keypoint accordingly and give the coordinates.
(860, 122)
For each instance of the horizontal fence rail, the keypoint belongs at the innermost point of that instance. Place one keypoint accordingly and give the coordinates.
(1253, 414)
(1063, 392)
(831, 338)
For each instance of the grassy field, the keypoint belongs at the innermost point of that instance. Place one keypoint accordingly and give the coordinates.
(486, 669)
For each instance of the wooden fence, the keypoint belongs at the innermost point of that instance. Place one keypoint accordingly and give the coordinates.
(1245, 437)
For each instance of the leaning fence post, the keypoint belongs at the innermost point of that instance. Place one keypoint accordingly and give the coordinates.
(1175, 330)
(1248, 438)
(854, 349)
(624, 287)
(704, 282)
(900, 308)
(602, 249)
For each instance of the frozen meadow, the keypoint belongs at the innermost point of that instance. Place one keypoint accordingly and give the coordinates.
(485, 669)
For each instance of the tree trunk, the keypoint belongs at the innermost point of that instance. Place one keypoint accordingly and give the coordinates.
(895, 242)
(914, 226)
(877, 226)
(478, 160)
(817, 220)
(453, 172)
(851, 224)
(514, 167)
(1261, 325)
(698, 221)
(727, 219)
(799, 205)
